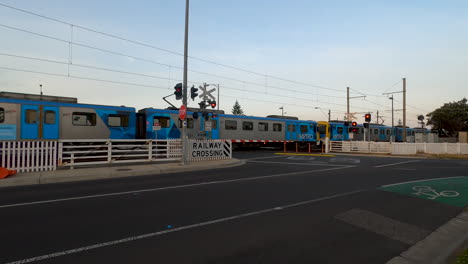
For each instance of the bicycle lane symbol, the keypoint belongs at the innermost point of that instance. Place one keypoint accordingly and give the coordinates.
(449, 190)
(432, 194)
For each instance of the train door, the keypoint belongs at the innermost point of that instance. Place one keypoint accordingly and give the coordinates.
(29, 122)
(39, 122)
(50, 122)
(215, 127)
(291, 131)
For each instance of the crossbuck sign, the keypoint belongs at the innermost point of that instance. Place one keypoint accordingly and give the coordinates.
(206, 93)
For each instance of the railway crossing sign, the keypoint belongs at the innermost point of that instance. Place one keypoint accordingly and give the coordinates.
(183, 112)
(206, 93)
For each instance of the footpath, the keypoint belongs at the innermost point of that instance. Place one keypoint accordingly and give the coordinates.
(109, 172)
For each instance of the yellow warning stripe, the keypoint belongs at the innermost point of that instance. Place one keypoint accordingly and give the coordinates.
(306, 154)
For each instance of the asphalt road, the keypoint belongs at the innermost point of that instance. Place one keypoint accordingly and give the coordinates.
(273, 209)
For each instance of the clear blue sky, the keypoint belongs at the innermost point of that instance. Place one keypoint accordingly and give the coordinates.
(366, 45)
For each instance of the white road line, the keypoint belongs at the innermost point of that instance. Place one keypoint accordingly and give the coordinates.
(298, 163)
(167, 188)
(158, 233)
(391, 164)
(388, 185)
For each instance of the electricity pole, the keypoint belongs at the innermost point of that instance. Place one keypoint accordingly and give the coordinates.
(393, 126)
(347, 103)
(184, 94)
(404, 109)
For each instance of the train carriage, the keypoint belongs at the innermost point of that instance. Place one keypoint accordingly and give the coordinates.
(48, 117)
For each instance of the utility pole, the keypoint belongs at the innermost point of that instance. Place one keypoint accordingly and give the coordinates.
(377, 117)
(393, 126)
(404, 109)
(329, 115)
(184, 98)
(347, 103)
(218, 98)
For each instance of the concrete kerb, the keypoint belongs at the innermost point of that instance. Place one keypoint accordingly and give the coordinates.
(438, 247)
(83, 174)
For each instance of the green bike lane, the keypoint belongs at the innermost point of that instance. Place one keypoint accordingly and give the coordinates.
(451, 190)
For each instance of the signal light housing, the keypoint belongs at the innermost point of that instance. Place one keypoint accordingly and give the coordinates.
(178, 91)
(368, 117)
(212, 104)
(354, 124)
(193, 92)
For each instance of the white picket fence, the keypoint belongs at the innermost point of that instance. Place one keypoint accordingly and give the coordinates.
(360, 146)
(106, 151)
(398, 148)
(29, 156)
(198, 150)
(430, 148)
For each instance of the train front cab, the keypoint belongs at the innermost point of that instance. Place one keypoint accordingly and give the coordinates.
(302, 131)
(165, 124)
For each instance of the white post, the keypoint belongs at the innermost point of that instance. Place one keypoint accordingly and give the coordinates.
(109, 151)
(150, 150)
(60, 153)
(327, 145)
(446, 147)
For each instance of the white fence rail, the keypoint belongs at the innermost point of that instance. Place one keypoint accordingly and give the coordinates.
(398, 148)
(360, 146)
(430, 148)
(209, 150)
(105, 151)
(29, 156)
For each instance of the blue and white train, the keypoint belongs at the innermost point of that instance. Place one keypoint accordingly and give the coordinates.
(36, 117)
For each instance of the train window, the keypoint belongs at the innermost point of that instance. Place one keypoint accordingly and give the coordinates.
(339, 130)
(230, 125)
(376, 131)
(83, 119)
(189, 123)
(412, 133)
(117, 120)
(291, 128)
(2, 115)
(262, 126)
(163, 121)
(31, 116)
(382, 132)
(277, 127)
(304, 129)
(246, 125)
(49, 117)
(388, 132)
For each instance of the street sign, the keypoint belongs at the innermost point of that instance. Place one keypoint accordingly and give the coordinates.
(208, 125)
(205, 94)
(182, 112)
(156, 127)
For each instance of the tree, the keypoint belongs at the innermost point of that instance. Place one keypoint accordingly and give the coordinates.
(451, 117)
(237, 110)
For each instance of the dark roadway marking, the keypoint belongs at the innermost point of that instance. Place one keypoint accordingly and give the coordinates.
(171, 187)
(148, 235)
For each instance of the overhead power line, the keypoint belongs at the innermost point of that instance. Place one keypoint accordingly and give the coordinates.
(146, 75)
(168, 51)
(158, 63)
